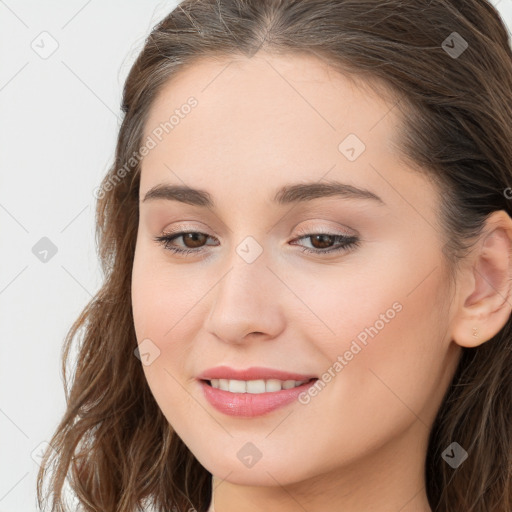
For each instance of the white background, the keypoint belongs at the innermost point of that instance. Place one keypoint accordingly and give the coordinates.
(59, 118)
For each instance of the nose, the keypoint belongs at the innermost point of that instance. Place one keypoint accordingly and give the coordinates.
(247, 303)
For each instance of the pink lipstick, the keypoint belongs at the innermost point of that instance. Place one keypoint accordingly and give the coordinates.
(252, 392)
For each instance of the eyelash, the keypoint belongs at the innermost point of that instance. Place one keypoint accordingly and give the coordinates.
(348, 242)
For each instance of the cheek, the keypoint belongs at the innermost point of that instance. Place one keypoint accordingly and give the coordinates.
(392, 356)
(379, 332)
(161, 294)
(166, 315)
(155, 314)
(385, 367)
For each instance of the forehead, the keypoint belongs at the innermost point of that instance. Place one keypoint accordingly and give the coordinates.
(299, 87)
(268, 120)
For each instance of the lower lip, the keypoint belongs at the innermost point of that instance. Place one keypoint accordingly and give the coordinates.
(251, 404)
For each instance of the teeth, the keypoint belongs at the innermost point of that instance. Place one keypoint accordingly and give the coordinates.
(236, 386)
(273, 385)
(255, 386)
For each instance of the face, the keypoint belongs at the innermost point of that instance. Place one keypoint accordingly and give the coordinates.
(341, 286)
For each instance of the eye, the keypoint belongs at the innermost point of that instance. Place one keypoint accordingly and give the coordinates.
(322, 242)
(195, 238)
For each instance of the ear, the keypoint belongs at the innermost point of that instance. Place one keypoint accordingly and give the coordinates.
(484, 299)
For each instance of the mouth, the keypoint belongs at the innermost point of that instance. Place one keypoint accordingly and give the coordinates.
(251, 398)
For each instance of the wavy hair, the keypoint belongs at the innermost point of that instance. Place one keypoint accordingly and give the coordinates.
(113, 445)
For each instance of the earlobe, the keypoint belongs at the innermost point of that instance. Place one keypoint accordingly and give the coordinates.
(486, 300)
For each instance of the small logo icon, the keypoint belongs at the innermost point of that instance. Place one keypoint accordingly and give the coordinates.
(454, 455)
(352, 147)
(249, 249)
(45, 45)
(44, 249)
(147, 351)
(455, 45)
(39, 451)
(249, 454)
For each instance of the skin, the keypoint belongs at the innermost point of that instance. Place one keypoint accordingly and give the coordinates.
(361, 443)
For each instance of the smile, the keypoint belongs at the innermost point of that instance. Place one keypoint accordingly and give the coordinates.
(253, 397)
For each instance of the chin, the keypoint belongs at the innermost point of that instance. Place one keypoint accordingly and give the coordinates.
(263, 473)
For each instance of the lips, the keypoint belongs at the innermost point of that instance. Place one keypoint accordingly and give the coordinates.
(253, 373)
(247, 404)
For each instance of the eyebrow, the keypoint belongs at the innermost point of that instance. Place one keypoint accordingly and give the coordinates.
(288, 194)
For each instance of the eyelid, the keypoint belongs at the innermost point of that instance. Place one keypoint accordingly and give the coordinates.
(326, 231)
(322, 229)
(178, 228)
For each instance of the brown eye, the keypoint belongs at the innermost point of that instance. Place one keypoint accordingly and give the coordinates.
(324, 243)
(191, 242)
(194, 239)
(321, 241)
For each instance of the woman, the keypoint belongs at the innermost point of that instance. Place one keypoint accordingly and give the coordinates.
(306, 243)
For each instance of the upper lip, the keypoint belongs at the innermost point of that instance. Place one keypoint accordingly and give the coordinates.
(252, 373)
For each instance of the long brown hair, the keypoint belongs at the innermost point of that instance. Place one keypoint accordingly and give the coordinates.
(114, 446)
